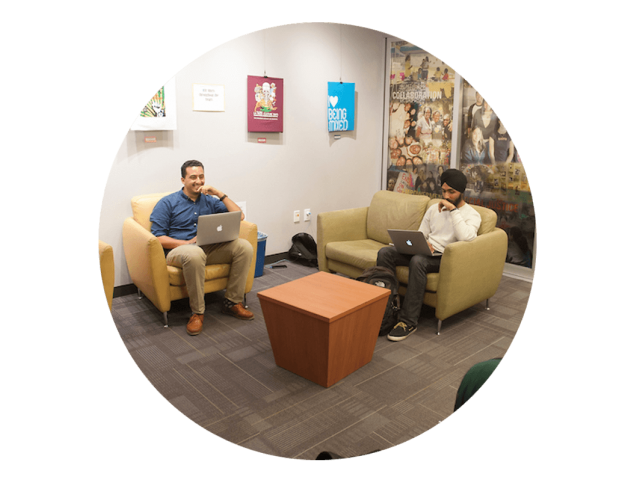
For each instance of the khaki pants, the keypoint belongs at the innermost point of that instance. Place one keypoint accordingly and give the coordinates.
(193, 260)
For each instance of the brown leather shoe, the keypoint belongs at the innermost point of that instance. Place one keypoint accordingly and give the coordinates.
(238, 311)
(194, 327)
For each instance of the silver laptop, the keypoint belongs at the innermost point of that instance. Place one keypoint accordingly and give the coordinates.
(218, 228)
(411, 242)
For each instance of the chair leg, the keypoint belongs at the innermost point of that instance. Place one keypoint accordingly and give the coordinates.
(487, 307)
(245, 301)
(166, 319)
(439, 325)
(139, 295)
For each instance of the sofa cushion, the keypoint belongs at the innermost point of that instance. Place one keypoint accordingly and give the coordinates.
(211, 272)
(394, 210)
(359, 253)
(489, 219)
(143, 205)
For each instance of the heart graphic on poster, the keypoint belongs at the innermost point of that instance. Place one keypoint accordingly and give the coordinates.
(340, 106)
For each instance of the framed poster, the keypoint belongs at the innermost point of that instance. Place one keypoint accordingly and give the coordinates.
(264, 104)
(341, 106)
(160, 112)
(208, 98)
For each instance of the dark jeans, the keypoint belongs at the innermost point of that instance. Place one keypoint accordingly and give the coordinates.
(419, 266)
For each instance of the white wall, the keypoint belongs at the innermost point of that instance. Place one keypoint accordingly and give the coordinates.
(304, 167)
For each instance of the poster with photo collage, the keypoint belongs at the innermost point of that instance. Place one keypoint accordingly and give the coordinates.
(420, 120)
(495, 174)
(420, 144)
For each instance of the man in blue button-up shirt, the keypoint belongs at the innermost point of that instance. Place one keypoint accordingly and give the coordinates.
(174, 221)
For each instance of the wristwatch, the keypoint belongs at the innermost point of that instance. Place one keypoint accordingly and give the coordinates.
(223, 197)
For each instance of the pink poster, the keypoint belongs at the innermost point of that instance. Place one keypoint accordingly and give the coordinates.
(264, 104)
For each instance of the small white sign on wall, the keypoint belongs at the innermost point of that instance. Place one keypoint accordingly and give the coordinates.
(208, 98)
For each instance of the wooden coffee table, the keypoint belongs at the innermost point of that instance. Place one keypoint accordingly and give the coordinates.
(323, 327)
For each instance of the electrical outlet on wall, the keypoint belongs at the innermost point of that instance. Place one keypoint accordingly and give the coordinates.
(296, 216)
(307, 215)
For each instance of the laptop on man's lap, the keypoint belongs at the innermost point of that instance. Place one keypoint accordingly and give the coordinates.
(411, 242)
(218, 228)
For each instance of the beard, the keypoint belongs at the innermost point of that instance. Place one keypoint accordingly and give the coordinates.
(457, 201)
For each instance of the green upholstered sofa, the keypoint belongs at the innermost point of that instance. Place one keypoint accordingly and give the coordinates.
(470, 272)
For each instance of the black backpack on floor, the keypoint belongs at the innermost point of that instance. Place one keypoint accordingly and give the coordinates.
(383, 277)
(304, 249)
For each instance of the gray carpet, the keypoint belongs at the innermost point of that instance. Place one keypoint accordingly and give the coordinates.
(226, 380)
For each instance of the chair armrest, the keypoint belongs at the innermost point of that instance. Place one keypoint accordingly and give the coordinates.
(146, 263)
(470, 272)
(340, 226)
(249, 231)
(107, 269)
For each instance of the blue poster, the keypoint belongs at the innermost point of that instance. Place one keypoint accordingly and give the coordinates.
(341, 106)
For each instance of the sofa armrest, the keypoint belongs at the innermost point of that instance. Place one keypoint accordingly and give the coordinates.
(249, 231)
(340, 226)
(470, 272)
(146, 263)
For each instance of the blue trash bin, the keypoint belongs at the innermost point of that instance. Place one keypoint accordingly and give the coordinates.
(260, 254)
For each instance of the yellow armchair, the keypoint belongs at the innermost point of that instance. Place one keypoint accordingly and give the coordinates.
(147, 265)
(107, 269)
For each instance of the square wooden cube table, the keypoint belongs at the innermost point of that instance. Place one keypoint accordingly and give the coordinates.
(323, 327)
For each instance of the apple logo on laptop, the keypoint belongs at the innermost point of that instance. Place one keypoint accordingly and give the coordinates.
(219, 228)
(409, 243)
